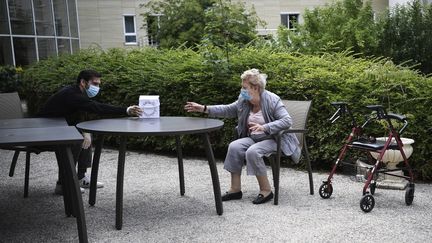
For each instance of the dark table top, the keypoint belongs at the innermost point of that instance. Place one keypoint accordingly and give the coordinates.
(40, 136)
(32, 122)
(166, 125)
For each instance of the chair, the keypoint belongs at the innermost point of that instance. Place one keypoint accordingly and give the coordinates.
(10, 108)
(299, 112)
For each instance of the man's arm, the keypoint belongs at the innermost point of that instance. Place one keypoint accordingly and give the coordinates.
(85, 104)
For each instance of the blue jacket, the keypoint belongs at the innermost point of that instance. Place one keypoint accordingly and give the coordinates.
(275, 115)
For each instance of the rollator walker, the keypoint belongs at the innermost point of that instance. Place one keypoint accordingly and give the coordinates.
(357, 141)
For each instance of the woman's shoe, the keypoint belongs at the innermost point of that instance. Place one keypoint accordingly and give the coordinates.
(261, 199)
(232, 196)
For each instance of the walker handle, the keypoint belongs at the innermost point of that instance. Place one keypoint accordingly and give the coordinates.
(381, 113)
(400, 118)
(342, 109)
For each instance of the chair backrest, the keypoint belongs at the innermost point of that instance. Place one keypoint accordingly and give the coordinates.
(299, 112)
(10, 106)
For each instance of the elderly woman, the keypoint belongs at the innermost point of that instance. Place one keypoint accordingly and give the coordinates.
(260, 113)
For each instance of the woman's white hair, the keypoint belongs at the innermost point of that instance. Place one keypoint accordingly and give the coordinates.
(254, 77)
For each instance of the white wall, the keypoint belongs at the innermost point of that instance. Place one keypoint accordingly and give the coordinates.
(393, 3)
(101, 22)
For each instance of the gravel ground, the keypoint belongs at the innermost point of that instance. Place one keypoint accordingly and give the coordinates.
(154, 211)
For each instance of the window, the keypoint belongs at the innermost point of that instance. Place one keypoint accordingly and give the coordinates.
(75, 46)
(129, 29)
(43, 17)
(32, 30)
(46, 47)
(61, 18)
(290, 20)
(153, 27)
(63, 45)
(73, 18)
(6, 55)
(25, 51)
(21, 17)
(4, 21)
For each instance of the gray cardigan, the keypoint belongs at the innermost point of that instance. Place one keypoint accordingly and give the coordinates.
(275, 115)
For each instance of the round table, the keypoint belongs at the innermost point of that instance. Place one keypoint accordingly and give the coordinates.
(163, 126)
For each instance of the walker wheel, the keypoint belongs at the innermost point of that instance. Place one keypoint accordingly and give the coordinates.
(409, 194)
(372, 187)
(367, 203)
(326, 190)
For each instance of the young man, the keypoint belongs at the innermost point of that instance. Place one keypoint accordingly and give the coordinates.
(72, 103)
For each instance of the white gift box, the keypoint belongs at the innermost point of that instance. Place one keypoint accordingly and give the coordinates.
(149, 105)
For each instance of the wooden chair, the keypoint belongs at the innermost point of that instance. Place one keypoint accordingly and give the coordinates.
(299, 112)
(10, 108)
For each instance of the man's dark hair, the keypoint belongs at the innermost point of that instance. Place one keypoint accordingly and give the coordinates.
(88, 75)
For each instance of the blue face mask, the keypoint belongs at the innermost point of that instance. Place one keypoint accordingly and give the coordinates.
(245, 94)
(92, 91)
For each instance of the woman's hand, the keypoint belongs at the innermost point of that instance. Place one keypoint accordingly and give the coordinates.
(255, 127)
(193, 107)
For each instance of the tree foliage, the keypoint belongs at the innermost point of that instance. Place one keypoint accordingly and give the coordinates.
(407, 35)
(403, 33)
(189, 22)
(230, 23)
(342, 25)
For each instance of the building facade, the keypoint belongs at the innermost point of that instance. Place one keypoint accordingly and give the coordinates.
(31, 30)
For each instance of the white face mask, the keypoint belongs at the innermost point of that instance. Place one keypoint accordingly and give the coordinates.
(244, 93)
(92, 91)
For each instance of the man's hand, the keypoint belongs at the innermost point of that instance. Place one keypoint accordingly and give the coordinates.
(134, 110)
(87, 140)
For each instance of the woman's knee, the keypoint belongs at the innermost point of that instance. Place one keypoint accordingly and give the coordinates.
(234, 147)
(252, 154)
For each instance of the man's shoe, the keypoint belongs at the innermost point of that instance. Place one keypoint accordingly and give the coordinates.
(85, 182)
(261, 199)
(232, 196)
(59, 190)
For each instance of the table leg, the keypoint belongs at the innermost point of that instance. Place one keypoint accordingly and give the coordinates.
(180, 165)
(27, 174)
(120, 178)
(214, 174)
(95, 169)
(77, 202)
(64, 182)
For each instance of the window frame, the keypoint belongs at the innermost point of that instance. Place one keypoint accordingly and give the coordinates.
(130, 34)
(288, 14)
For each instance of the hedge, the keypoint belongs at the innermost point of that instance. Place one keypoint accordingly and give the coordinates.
(10, 80)
(212, 76)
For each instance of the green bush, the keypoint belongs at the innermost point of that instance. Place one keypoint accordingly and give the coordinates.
(9, 79)
(205, 76)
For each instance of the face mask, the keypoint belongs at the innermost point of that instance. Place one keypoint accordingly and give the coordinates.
(245, 94)
(92, 91)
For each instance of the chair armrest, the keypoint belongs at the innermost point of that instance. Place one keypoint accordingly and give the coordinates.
(293, 131)
(280, 133)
